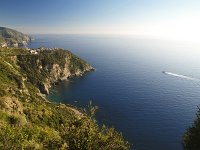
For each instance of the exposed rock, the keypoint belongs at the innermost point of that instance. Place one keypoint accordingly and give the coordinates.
(13, 38)
(4, 44)
(44, 88)
(50, 67)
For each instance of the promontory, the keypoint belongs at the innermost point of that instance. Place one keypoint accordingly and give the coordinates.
(27, 119)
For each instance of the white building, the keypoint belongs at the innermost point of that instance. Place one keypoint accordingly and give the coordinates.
(33, 52)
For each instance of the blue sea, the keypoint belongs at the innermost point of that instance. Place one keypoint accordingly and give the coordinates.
(151, 108)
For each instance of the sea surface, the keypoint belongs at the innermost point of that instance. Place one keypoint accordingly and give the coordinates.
(148, 89)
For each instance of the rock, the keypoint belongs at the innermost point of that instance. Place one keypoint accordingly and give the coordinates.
(44, 89)
(52, 67)
(13, 38)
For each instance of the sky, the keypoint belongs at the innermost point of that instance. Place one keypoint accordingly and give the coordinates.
(172, 19)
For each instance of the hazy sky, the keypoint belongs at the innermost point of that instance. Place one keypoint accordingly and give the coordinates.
(177, 19)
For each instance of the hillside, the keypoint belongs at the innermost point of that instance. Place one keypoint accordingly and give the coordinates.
(191, 139)
(12, 38)
(29, 121)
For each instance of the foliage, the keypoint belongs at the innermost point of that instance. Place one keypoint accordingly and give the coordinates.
(191, 138)
(2, 40)
(46, 60)
(29, 121)
(91, 110)
(11, 36)
(76, 64)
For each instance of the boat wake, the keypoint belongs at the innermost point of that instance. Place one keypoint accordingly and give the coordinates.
(180, 76)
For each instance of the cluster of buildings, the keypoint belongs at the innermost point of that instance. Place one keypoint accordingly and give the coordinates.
(38, 50)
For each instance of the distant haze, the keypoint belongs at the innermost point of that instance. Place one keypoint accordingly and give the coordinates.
(171, 19)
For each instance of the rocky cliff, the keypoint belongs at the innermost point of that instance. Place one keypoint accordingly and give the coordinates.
(12, 38)
(51, 66)
(29, 121)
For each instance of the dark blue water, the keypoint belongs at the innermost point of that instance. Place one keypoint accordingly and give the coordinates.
(150, 108)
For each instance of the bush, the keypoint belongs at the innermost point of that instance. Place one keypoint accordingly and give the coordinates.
(40, 124)
(191, 139)
(13, 120)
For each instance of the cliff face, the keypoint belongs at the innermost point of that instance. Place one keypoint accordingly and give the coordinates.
(59, 73)
(29, 121)
(13, 38)
(51, 67)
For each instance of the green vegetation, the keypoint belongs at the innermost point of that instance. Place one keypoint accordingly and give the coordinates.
(2, 40)
(29, 121)
(50, 66)
(12, 37)
(191, 138)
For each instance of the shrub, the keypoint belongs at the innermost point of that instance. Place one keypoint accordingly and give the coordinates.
(191, 139)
